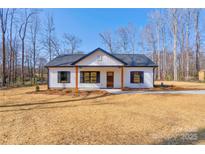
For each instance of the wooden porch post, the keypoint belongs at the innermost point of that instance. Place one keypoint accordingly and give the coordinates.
(122, 78)
(76, 79)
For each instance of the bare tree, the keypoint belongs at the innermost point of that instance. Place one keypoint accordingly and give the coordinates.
(174, 24)
(15, 47)
(108, 40)
(41, 63)
(187, 35)
(3, 19)
(132, 34)
(50, 29)
(34, 29)
(72, 41)
(22, 36)
(157, 22)
(197, 39)
(12, 54)
(56, 46)
(123, 41)
(181, 42)
(163, 36)
(150, 41)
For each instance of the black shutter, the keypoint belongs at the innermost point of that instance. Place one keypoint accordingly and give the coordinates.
(98, 77)
(141, 77)
(59, 76)
(81, 77)
(68, 80)
(131, 77)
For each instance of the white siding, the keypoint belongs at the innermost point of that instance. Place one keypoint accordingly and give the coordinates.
(103, 77)
(53, 77)
(93, 60)
(148, 77)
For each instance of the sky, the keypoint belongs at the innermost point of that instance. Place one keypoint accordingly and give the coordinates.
(88, 23)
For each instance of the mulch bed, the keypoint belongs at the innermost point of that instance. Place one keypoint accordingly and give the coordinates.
(70, 92)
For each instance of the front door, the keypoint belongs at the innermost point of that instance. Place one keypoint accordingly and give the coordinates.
(110, 79)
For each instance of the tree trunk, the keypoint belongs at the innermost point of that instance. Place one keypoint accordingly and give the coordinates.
(158, 56)
(164, 61)
(13, 67)
(3, 60)
(50, 52)
(175, 30)
(10, 61)
(34, 63)
(11, 49)
(175, 54)
(197, 42)
(187, 51)
(22, 64)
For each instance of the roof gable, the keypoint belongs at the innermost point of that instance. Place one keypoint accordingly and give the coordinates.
(129, 60)
(91, 58)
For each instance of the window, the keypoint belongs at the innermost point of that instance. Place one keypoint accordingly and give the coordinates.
(136, 77)
(63, 77)
(99, 57)
(89, 77)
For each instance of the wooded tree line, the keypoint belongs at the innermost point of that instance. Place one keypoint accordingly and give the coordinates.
(173, 38)
(28, 42)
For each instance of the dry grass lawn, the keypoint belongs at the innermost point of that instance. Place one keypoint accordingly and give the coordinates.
(27, 118)
(183, 85)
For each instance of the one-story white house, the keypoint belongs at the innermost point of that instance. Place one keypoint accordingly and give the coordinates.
(101, 69)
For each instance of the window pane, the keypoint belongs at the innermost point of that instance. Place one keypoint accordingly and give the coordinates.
(137, 77)
(89, 77)
(86, 77)
(93, 77)
(63, 77)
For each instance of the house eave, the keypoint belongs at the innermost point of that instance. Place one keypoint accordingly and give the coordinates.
(98, 66)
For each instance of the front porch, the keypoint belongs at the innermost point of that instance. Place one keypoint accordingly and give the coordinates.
(109, 78)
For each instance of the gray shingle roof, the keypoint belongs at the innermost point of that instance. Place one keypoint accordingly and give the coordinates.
(64, 60)
(136, 60)
(130, 60)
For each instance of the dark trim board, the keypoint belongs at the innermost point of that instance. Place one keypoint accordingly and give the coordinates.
(101, 66)
(98, 66)
(141, 66)
(48, 78)
(153, 75)
(58, 66)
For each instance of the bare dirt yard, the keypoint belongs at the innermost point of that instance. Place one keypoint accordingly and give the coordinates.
(27, 117)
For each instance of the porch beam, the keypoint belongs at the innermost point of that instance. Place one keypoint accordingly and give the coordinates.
(122, 77)
(76, 79)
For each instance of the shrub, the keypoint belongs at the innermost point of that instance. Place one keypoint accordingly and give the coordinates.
(37, 88)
